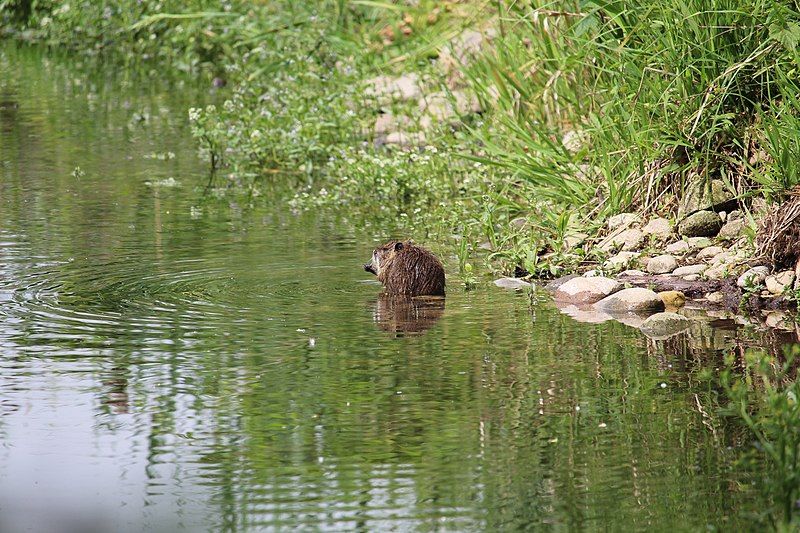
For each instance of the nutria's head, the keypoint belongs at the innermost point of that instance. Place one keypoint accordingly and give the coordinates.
(382, 254)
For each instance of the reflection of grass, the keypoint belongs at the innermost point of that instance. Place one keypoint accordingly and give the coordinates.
(766, 399)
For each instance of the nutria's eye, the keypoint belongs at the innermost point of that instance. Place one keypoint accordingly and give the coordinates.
(398, 246)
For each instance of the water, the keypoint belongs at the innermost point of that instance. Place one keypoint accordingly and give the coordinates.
(174, 361)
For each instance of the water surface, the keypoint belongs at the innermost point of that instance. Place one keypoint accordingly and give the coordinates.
(174, 360)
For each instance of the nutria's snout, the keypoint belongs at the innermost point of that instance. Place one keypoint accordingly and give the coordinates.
(369, 268)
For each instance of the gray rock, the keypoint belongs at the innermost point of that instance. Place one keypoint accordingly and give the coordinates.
(732, 229)
(637, 300)
(777, 283)
(512, 283)
(660, 227)
(387, 123)
(387, 88)
(691, 277)
(715, 297)
(629, 273)
(753, 277)
(696, 243)
(628, 239)
(699, 196)
(717, 271)
(586, 290)
(780, 320)
(662, 264)
(620, 261)
(700, 224)
(622, 220)
(553, 285)
(403, 139)
(734, 215)
(689, 270)
(593, 273)
(709, 252)
(662, 325)
(677, 247)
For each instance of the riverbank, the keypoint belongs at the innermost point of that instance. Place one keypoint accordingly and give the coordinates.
(539, 142)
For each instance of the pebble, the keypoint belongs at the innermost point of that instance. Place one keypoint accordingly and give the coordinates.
(672, 298)
(622, 220)
(709, 252)
(586, 290)
(621, 260)
(754, 276)
(659, 227)
(512, 283)
(677, 247)
(662, 264)
(777, 283)
(689, 270)
(636, 299)
(715, 297)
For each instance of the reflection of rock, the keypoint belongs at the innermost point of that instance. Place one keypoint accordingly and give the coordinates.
(583, 313)
(409, 316)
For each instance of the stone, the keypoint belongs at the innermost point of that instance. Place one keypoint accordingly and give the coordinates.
(709, 252)
(732, 229)
(717, 271)
(622, 220)
(629, 273)
(574, 240)
(715, 297)
(662, 264)
(659, 227)
(672, 298)
(403, 139)
(677, 247)
(575, 140)
(586, 290)
(388, 122)
(696, 243)
(388, 88)
(753, 277)
(443, 106)
(512, 283)
(519, 223)
(628, 239)
(699, 196)
(662, 325)
(778, 283)
(734, 215)
(620, 261)
(636, 300)
(780, 320)
(591, 273)
(700, 224)
(554, 284)
(722, 257)
(689, 270)
(692, 277)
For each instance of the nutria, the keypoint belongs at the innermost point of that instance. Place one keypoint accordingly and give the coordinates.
(406, 269)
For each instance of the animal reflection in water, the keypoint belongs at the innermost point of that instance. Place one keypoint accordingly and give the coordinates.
(403, 315)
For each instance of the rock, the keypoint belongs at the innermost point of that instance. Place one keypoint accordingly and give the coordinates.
(700, 224)
(512, 283)
(692, 277)
(519, 222)
(593, 273)
(629, 273)
(662, 325)
(622, 220)
(715, 297)
(717, 271)
(723, 216)
(586, 290)
(574, 239)
(442, 106)
(696, 243)
(387, 123)
(620, 261)
(662, 264)
(628, 239)
(660, 227)
(734, 215)
(403, 139)
(777, 283)
(575, 140)
(637, 300)
(553, 285)
(732, 229)
(709, 252)
(780, 320)
(672, 298)
(387, 88)
(677, 247)
(722, 257)
(689, 270)
(753, 277)
(699, 196)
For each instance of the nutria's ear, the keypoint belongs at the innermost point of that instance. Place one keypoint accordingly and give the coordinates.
(398, 246)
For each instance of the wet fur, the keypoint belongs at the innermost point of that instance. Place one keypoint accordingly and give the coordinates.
(405, 269)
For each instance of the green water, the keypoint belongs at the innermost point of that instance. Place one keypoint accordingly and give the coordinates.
(172, 360)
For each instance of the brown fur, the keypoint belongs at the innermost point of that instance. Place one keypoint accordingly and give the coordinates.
(406, 269)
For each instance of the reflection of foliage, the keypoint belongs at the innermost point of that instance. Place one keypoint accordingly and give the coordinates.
(766, 399)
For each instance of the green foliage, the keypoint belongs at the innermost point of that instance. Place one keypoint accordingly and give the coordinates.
(765, 397)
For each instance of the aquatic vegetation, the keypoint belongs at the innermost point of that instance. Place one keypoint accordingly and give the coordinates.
(765, 398)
